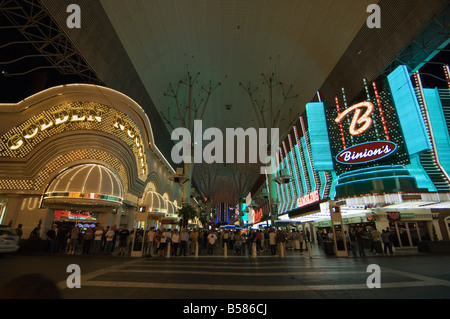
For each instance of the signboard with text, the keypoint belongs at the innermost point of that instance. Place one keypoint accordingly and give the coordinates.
(365, 134)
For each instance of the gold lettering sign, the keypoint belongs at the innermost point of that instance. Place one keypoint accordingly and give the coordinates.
(16, 141)
(123, 125)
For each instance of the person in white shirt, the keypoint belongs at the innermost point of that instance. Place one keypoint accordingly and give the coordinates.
(97, 241)
(109, 240)
(150, 241)
(175, 241)
(212, 238)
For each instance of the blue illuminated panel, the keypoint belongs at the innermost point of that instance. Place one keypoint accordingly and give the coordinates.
(408, 110)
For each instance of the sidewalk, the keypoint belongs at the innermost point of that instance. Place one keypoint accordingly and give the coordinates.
(316, 252)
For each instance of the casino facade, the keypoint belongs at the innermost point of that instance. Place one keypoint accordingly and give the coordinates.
(382, 161)
(81, 154)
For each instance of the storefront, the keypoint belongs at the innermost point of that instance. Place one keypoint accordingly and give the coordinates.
(77, 154)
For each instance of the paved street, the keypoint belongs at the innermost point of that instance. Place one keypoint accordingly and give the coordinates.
(238, 277)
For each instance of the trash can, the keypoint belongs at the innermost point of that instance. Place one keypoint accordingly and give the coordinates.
(329, 248)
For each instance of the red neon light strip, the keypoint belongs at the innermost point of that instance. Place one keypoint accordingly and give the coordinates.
(386, 133)
(340, 123)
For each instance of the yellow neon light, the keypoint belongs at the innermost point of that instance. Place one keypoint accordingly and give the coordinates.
(365, 120)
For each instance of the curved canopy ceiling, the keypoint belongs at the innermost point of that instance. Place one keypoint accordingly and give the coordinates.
(146, 49)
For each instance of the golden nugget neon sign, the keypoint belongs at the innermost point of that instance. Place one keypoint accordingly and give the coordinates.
(59, 117)
(123, 125)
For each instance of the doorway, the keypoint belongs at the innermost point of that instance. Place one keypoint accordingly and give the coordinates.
(408, 234)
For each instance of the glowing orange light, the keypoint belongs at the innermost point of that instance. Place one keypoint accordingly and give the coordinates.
(365, 120)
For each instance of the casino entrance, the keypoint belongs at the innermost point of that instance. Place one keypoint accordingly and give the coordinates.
(408, 234)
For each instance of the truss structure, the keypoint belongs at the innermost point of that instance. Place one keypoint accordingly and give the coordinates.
(32, 20)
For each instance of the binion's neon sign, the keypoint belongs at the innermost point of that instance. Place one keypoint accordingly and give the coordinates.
(364, 120)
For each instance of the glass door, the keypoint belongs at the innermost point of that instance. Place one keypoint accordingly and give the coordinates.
(408, 234)
(413, 233)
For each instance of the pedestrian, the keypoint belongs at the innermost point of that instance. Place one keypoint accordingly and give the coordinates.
(212, 238)
(123, 240)
(258, 240)
(376, 239)
(385, 237)
(150, 241)
(163, 243)
(98, 235)
(272, 242)
(360, 239)
(353, 241)
(175, 242)
(51, 237)
(184, 237)
(194, 240)
(301, 239)
(88, 236)
(109, 237)
(72, 240)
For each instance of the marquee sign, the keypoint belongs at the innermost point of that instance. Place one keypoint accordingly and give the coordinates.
(366, 152)
(366, 133)
(20, 140)
(308, 199)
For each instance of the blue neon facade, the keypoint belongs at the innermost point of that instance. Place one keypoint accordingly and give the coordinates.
(420, 126)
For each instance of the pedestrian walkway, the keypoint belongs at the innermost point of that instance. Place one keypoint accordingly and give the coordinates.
(316, 252)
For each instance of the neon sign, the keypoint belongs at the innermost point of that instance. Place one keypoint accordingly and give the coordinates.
(366, 152)
(308, 199)
(365, 120)
(42, 124)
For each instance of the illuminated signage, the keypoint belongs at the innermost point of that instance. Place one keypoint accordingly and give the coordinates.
(364, 120)
(126, 126)
(59, 117)
(366, 133)
(308, 199)
(258, 215)
(49, 122)
(72, 215)
(393, 216)
(366, 152)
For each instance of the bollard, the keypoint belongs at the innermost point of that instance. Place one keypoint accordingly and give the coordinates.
(168, 250)
(225, 250)
(282, 252)
(253, 250)
(309, 249)
(196, 250)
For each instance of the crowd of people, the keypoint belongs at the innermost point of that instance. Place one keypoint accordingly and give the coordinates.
(164, 242)
(359, 239)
